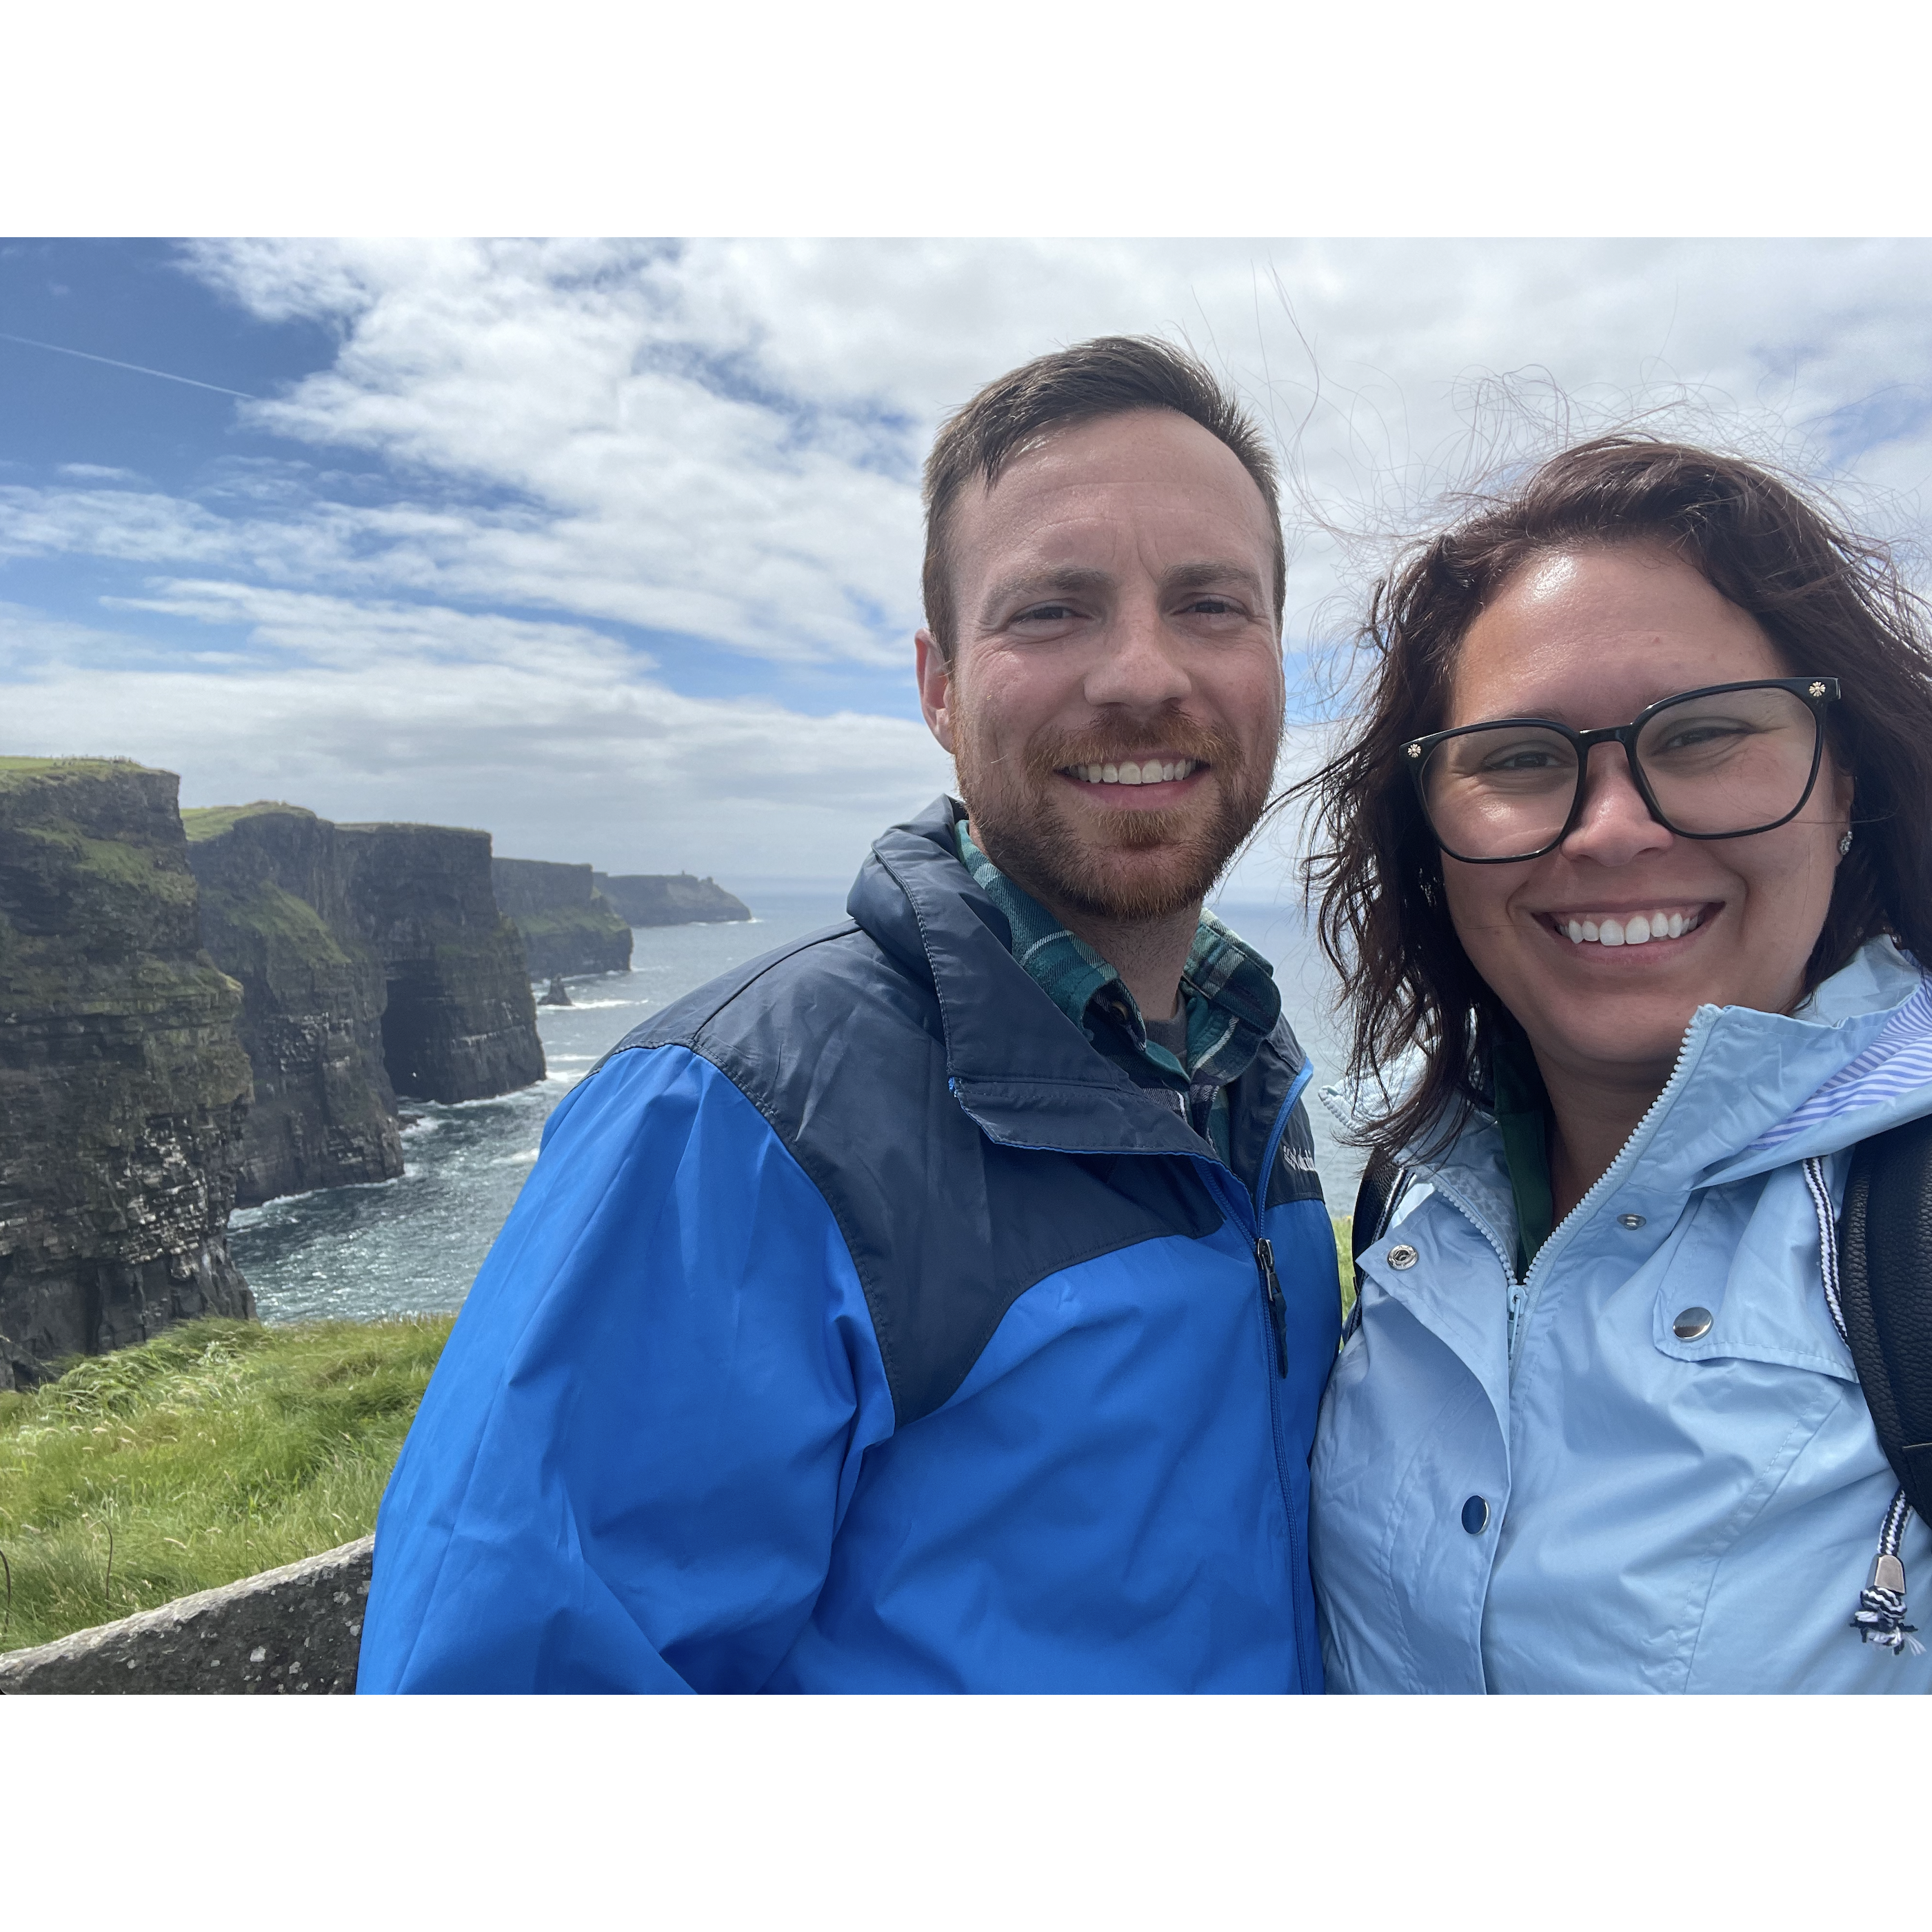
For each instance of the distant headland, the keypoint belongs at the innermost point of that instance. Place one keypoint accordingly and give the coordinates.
(646, 899)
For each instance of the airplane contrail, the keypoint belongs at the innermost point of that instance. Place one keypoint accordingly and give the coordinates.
(139, 369)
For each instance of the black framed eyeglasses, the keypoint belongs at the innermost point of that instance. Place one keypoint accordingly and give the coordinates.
(1722, 762)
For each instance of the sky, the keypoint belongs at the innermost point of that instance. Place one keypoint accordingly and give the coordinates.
(612, 547)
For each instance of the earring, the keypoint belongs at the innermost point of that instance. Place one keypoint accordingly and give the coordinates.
(1844, 844)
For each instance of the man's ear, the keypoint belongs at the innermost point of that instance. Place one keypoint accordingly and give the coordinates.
(935, 686)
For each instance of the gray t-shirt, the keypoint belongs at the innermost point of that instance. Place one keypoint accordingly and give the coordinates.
(1172, 1034)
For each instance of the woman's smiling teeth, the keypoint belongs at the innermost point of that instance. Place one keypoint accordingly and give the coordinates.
(1631, 929)
(1154, 771)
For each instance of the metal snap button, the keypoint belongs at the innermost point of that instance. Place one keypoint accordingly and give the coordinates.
(1476, 1515)
(1630, 1220)
(1402, 1256)
(1692, 1323)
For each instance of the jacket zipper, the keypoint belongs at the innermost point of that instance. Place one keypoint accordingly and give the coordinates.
(1274, 1303)
(1277, 1308)
(1521, 1298)
(1271, 1294)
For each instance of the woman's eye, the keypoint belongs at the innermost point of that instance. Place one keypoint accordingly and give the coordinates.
(1699, 737)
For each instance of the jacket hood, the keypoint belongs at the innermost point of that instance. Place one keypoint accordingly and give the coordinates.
(1752, 1091)
(1023, 1071)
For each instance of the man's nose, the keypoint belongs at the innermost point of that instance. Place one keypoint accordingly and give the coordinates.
(1138, 665)
(1615, 825)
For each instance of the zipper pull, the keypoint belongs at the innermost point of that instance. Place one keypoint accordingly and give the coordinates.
(1277, 1308)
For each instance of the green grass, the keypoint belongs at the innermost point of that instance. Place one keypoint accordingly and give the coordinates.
(210, 821)
(16, 770)
(220, 1449)
(597, 919)
(285, 921)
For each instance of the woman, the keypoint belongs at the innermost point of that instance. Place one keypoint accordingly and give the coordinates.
(1626, 999)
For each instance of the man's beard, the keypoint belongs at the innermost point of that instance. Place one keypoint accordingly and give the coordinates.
(1130, 866)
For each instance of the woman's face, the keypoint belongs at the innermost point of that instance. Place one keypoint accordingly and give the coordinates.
(1589, 638)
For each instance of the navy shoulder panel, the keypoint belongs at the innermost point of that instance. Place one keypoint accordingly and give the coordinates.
(679, 1023)
(840, 1045)
(1257, 1099)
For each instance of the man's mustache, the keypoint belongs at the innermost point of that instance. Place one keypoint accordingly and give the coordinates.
(1111, 745)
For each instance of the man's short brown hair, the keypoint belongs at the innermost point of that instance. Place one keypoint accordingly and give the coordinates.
(1112, 375)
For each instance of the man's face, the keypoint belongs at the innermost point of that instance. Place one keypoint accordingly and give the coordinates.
(1115, 624)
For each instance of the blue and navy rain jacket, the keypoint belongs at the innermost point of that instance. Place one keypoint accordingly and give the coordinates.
(861, 1327)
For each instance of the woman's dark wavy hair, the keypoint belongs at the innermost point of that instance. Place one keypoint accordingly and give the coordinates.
(1832, 603)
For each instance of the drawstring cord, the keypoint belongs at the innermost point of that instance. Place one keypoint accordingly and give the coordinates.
(1880, 1617)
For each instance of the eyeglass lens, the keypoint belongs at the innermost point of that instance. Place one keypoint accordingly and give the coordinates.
(1721, 765)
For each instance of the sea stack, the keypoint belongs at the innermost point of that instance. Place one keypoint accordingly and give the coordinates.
(275, 914)
(460, 1022)
(124, 1087)
(669, 898)
(566, 924)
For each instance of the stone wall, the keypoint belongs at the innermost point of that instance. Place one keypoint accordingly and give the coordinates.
(124, 1087)
(460, 1023)
(296, 1630)
(672, 899)
(275, 914)
(566, 925)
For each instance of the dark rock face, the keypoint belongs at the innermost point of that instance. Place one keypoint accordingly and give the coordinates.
(460, 1023)
(567, 924)
(275, 915)
(649, 898)
(124, 1088)
(298, 1629)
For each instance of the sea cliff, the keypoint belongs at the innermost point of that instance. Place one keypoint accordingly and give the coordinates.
(275, 914)
(460, 1023)
(566, 924)
(673, 899)
(123, 1086)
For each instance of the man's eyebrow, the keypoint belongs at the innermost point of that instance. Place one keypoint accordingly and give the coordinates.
(1206, 574)
(1075, 580)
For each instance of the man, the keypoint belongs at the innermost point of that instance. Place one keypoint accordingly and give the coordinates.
(941, 1302)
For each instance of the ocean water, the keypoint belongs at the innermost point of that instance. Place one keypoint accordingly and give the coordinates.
(413, 1245)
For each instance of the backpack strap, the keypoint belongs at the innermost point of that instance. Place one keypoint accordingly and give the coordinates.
(1383, 1185)
(1884, 1285)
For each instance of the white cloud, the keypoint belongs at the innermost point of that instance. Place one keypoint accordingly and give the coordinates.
(550, 735)
(721, 438)
(719, 442)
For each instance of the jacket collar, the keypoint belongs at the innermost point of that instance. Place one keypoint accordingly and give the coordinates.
(1017, 1065)
(1751, 1090)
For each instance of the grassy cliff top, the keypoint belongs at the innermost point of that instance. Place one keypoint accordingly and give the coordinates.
(220, 1449)
(408, 825)
(18, 771)
(210, 821)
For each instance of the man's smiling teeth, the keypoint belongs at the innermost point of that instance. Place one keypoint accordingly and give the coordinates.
(1637, 929)
(1154, 772)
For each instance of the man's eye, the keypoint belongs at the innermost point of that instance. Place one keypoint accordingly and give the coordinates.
(1213, 606)
(1046, 613)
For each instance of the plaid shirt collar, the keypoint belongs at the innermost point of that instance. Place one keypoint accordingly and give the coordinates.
(1227, 989)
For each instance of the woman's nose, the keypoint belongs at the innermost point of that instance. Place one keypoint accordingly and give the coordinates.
(1615, 825)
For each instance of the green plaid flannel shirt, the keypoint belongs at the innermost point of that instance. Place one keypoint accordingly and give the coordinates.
(1227, 989)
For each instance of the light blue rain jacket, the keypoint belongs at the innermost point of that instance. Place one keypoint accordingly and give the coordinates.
(1538, 1486)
